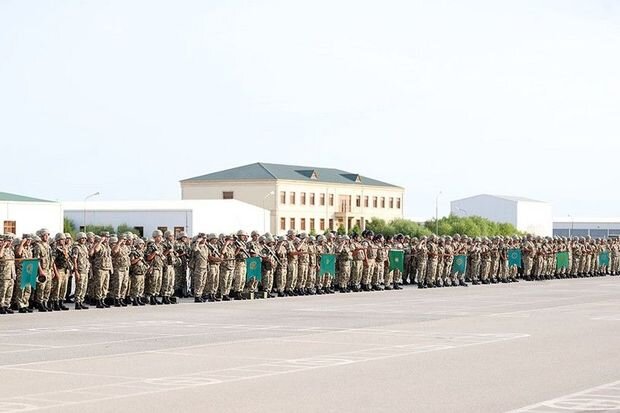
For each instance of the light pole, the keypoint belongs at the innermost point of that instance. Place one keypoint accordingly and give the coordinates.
(572, 224)
(437, 213)
(264, 199)
(86, 199)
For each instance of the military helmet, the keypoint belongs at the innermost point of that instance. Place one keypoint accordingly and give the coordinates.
(168, 233)
(290, 233)
(241, 233)
(212, 236)
(181, 235)
(157, 233)
(253, 233)
(113, 240)
(59, 236)
(79, 236)
(320, 238)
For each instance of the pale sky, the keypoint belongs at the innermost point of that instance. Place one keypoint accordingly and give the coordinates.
(464, 97)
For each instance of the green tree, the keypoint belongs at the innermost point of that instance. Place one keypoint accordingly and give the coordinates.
(96, 229)
(341, 230)
(69, 227)
(355, 229)
(122, 228)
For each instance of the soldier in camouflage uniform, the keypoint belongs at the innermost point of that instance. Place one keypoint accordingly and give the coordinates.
(268, 259)
(312, 266)
(43, 252)
(281, 270)
(345, 257)
(378, 281)
(200, 270)
(303, 261)
(7, 273)
(23, 251)
(213, 272)
(170, 263)
(81, 266)
(370, 262)
(137, 272)
(227, 267)
(155, 259)
(102, 266)
(119, 281)
(182, 250)
(241, 254)
(62, 266)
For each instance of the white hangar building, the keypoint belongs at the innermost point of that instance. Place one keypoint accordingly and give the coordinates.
(25, 215)
(527, 215)
(219, 216)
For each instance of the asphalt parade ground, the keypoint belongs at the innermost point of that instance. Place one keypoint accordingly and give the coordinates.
(546, 346)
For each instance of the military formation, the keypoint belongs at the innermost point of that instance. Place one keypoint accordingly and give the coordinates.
(124, 270)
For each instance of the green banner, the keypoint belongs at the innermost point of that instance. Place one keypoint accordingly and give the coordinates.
(514, 257)
(561, 259)
(30, 270)
(253, 268)
(328, 265)
(459, 264)
(603, 258)
(397, 260)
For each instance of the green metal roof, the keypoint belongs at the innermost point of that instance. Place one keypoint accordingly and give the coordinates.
(5, 196)
(272, 171)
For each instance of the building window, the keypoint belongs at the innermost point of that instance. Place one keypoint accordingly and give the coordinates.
(398, 203)
(374, 202)
(302, 224)
(283, 197)
(282, 224)
(312, 198)
(331, 199)
(292, 198)
(311, 224)
(322, 224)
(366, 202)
(358, 201)
(331, 224)
(358, 223)
(322, 199)
(140, 230)
(302, 198)
(292, 223)
(227, 195)
(178, 230)
(162, 229)
(10, 227)
(382, 202)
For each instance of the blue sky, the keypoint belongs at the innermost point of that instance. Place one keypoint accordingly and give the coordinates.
(463, 97)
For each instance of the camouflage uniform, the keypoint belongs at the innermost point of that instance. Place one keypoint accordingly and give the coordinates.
(137, 271)
(200, 269)
(7, 274)
(42, 251)
(80, 257)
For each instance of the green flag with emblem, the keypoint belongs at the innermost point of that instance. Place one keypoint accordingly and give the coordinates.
(459, 264)
(603, 258)
(30, 269)
(561, 259)
(253, 268)
(397, 260)
(328, 264)
(514, 257)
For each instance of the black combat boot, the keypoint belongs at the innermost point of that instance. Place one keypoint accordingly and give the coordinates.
(100, 304)
(77, 305)
(117, 302)
(83, 307)
(166, 300)
(62, 305)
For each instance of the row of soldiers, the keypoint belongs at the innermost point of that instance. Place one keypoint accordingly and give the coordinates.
(109, 270)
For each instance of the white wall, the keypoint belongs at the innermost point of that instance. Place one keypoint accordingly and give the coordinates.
(194, 216)
(32, 216)
(493, 208)
(535, 218)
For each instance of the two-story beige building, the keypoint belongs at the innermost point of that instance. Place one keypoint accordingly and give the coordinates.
(302, 198)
